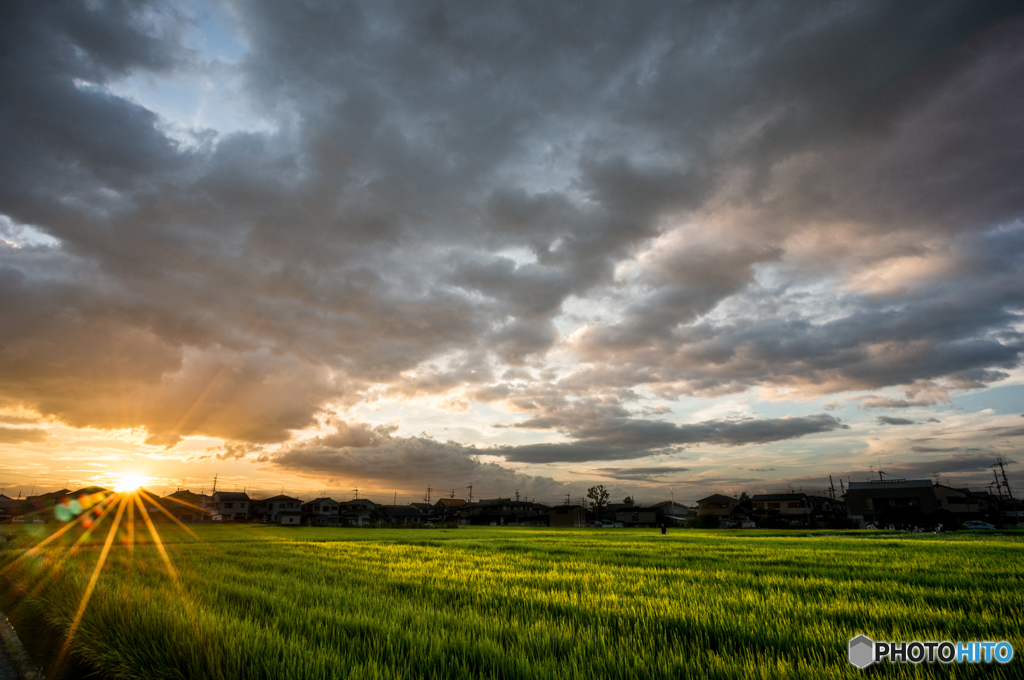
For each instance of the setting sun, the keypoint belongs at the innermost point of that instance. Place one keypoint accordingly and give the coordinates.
(130, 481)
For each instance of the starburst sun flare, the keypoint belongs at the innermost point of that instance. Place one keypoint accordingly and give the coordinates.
(130, 481)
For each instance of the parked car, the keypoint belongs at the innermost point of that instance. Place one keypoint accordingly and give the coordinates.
(975, 525)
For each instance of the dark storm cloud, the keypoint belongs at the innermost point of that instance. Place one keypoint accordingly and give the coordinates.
(444, 178)
(889, 420)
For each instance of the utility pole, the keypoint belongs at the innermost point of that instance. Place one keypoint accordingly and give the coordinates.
(517, 495)
(214, 483)
(427, 498)
(453, 493)
(356, 492)
(831, 488)
(395, 501)
(567, 499)
(470, 487)
(1006, 482)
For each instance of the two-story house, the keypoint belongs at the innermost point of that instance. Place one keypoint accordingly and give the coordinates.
(269, 509)
(321, 512)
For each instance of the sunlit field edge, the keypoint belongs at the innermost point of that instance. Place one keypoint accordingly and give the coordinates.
(298, 602)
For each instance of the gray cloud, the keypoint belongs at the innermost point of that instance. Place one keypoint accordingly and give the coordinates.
(642, 474)
(624, 438)
(409, 464)
(889, 420)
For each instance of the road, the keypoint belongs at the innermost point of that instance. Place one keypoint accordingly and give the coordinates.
(8, 671)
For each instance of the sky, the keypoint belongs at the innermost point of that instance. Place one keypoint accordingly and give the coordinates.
(674, 248)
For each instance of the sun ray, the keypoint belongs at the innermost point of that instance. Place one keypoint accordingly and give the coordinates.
(202, 395)
(185, 503)
(92, 580)
(169, 515)
(130, 539)
(58, 562)
(156, 540)
(57, 534)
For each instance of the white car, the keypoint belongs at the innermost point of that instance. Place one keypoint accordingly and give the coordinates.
(975, 525)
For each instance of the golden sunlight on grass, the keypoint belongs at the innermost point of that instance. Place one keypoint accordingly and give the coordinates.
(86, 513)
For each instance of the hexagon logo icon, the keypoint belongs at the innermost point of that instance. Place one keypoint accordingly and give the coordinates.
(862, 651)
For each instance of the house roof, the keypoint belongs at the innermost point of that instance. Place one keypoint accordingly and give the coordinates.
(321, 500)
(452, 502)
(891, 484)
(779, 497)
(402, 511)
(718, 498)
(53, 495)
(182, 493)
(90, 490)
(278, 499)
(667, 503)
(423, 507)
(568, 507)
(232, 495)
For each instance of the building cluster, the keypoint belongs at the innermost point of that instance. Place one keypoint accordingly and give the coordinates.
(899, 503)
(287, 510)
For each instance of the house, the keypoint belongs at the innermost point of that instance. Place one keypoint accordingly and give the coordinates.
(795, 509)
(674, 510)
(321, 512)
(568, 516)
(958, 501)
(449, 509)
(637, 516)
(673, 513)
(43, 505)
(402, 514)
(718, 505)
(429, 513)
(267, 509)
(357, 511)
(10, 508)
(289, 518)
(186, 506)
(900, 501)
(229, 506)
(504, 512)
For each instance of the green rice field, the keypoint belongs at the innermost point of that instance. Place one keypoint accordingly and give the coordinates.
(273, 602)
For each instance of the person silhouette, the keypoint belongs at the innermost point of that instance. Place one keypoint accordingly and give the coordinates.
(663, 530)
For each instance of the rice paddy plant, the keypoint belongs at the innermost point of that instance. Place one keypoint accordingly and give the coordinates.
(265, 602)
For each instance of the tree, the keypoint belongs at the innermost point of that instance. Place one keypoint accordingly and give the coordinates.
(598, 496)
(744, 497)
(628, 500)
